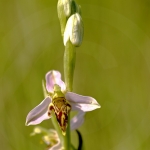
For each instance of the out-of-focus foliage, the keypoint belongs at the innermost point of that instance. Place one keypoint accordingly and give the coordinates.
(113, 65)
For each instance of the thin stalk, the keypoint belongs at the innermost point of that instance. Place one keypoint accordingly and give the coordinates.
(67, 138)
(69, 65)
(57, 127)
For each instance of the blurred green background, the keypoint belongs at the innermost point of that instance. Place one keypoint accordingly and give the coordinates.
(113, 66)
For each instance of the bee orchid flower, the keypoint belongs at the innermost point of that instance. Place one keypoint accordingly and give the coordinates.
(61, 102)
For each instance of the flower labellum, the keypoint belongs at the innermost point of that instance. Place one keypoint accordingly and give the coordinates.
(61, 108)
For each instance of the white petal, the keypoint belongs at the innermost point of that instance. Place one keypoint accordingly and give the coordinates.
(77, 120)
(39, 113)
(83, 103)
(54, 77)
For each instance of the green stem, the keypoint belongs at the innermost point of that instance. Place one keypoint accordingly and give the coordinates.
(69, 65)
(57, 127)
(67, 138)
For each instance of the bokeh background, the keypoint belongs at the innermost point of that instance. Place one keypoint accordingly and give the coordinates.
(113, 66)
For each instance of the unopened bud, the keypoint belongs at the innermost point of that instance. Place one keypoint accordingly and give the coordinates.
(74, 30)
(61, 15)
(67, 7)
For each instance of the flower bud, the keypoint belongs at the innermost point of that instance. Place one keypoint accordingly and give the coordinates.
(67, 7)
(74, 30)
(61, 15)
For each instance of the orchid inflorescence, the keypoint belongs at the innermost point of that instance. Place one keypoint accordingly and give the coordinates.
(59, 99)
